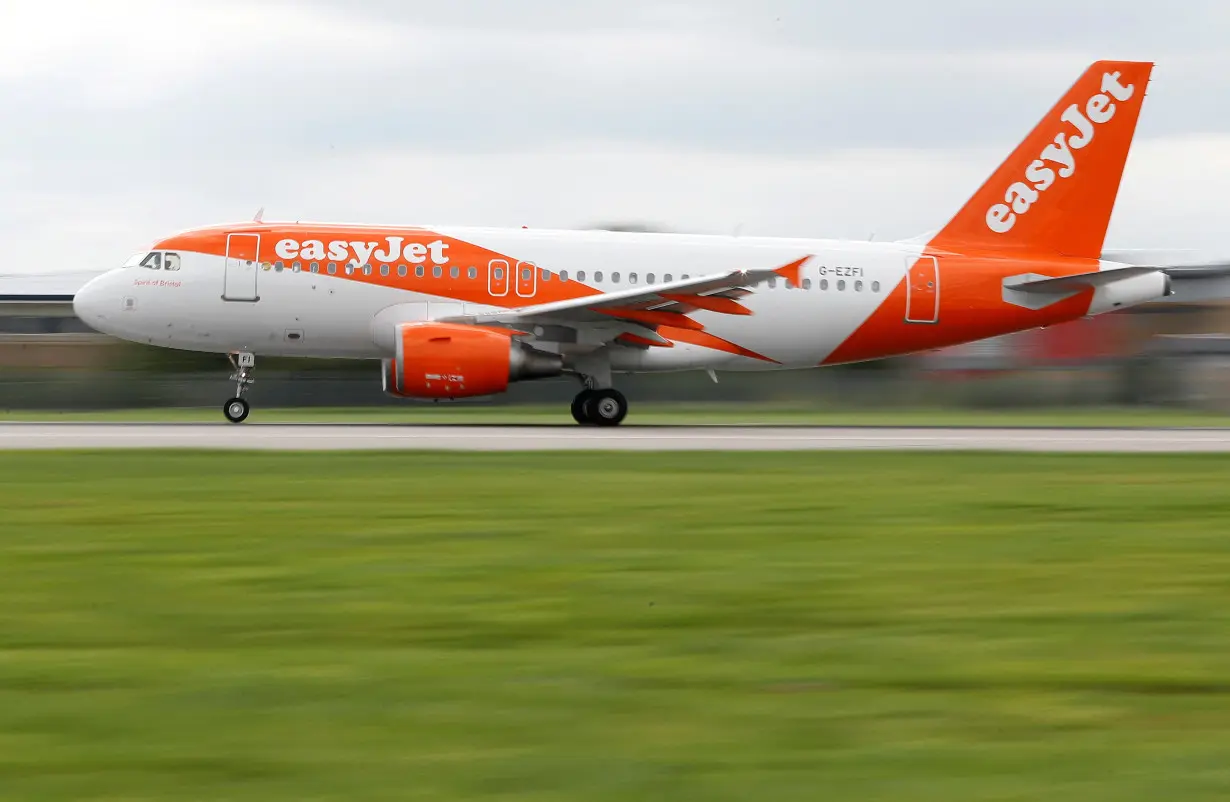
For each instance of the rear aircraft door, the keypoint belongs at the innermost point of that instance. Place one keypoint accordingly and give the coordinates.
(922, 290)
(242, 267)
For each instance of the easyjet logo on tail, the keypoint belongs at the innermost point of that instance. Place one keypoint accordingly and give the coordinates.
(341, 250)
(1058, 159)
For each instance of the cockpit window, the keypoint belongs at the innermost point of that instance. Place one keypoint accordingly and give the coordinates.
(154, 260)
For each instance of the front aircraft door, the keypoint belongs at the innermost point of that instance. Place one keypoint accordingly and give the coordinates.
(242, 267)
(922, 290)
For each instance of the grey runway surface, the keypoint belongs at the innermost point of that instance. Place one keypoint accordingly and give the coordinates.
(373, 437)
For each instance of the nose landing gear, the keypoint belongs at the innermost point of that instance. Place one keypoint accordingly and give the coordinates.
(236, 409)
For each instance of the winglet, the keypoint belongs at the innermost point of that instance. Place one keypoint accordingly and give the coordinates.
(793, 272)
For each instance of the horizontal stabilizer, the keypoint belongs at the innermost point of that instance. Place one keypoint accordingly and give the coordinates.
(1064, 285)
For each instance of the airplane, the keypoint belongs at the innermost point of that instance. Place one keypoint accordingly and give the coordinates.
(456, 312)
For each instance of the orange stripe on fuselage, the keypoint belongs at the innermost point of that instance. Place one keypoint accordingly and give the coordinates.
(461, 255)
(707, 340)
(971, 307)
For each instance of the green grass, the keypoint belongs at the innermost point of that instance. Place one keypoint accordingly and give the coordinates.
(614, 627)
(748, 414)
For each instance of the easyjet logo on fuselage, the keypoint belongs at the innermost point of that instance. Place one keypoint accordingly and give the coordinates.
(395, 249)
(1061, 154)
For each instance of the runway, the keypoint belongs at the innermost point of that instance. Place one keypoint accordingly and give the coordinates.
(376, 437)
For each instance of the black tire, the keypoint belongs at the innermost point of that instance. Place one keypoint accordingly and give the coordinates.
(236, 410)
(578, 407)
(606, 408)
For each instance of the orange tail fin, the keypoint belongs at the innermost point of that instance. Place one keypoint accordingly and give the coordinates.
(1055, 193)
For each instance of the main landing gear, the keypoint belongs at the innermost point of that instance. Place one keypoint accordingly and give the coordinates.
(599, 407)
(236, 409)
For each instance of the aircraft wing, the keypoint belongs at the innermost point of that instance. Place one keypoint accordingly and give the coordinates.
(652, 306)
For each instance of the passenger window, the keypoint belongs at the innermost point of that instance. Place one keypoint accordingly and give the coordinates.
(153, 261)
(580, 275)
(296, 267)
(668, 278)
(454, 272)
(824, 284)
(437, 271)
(686, 277)
(632, 278)
(858, 286)
(384, 270)
(315, 267)
(807, 284)
(546, 275)
(402, 271)
(563, 275)
(772, 283)
(418, 271)
(598, 275)
(471, 272)
(648, 279)
(615, 278)
(841, 286)
(875, 286)
(332, 268)
(277, 266)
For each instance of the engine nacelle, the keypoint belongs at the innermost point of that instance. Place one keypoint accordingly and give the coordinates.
(451, 360)
(1127, 292)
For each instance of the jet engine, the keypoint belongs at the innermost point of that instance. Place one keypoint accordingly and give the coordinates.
(450, 360)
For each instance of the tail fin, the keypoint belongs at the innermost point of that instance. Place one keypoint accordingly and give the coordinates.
(1055, 193)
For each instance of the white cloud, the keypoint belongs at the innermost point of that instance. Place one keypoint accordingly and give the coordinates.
(127, 119)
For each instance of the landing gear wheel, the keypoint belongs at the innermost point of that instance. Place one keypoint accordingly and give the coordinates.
(606, 407)
(236, 410)
(578, 407)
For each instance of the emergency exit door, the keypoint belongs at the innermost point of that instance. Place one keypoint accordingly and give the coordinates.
(497, 277)
(242, 267)
(922, 290)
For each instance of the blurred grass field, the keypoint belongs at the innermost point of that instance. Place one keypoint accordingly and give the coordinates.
(665, 414)
(614, 627)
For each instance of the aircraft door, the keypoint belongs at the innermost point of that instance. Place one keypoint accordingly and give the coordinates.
(922, 288)
(497, 277)
(242, 267)
(527, 279)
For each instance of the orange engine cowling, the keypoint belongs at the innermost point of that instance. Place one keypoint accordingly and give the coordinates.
(451, 360)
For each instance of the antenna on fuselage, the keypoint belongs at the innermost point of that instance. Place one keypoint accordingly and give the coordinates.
(260, 213)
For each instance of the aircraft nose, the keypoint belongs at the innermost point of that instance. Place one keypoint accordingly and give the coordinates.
(92, 303)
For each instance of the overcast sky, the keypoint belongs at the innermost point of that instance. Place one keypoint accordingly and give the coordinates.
(128, 119)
